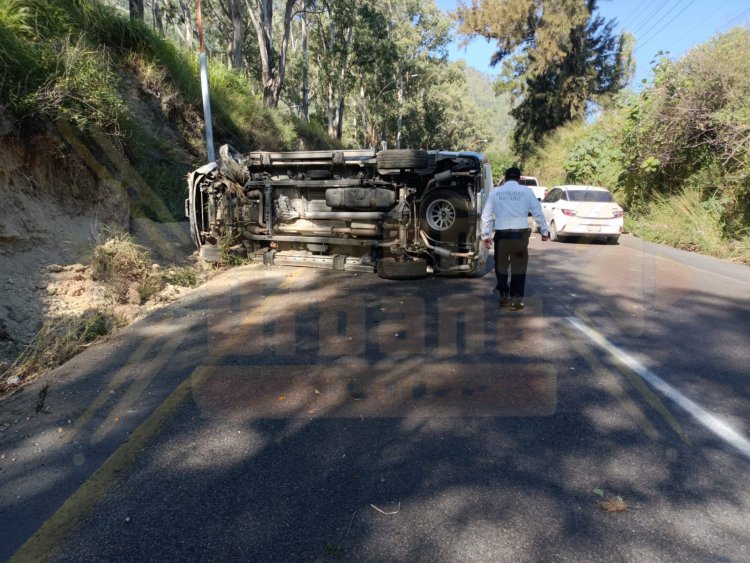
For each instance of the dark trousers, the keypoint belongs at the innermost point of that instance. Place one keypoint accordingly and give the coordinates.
(511, 260)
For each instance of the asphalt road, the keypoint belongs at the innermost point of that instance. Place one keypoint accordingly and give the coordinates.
(292, 414)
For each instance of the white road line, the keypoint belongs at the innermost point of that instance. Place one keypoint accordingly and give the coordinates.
(704, 417)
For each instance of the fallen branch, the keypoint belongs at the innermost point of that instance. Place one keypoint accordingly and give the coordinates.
(388, 513)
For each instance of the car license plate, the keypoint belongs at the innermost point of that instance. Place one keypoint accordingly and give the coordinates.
(595, 229)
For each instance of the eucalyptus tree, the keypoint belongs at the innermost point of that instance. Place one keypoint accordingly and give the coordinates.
(400, 46)
(156, 13)
(556, 55)
(187, 20)
(229, 28)
(440, 115)
(136, 9)
(333, 31)
(273, 62)
(420, 33)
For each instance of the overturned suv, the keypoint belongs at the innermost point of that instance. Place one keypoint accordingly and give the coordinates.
(399, 212)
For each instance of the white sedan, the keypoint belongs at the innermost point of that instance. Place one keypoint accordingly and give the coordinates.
(582, 211)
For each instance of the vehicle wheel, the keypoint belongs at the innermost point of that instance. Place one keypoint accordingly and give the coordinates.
(613, 240)
(390, 269)
(553, 233)
(318, 174)
(402, 158)
(445, 215)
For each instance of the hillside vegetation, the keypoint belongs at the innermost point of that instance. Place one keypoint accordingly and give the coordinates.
(677, 154)
(82, 66)
(370, 75)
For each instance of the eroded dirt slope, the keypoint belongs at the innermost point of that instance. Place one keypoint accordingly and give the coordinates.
(57, 205)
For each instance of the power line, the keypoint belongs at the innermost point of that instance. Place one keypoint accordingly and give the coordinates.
(661, 19)
(725, 26)
(702, 23)
(633, 12)
(648, 18)
(734, 19)
(650, 38)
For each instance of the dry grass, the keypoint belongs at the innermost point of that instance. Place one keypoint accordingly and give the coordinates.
(126, 270)
(690, 222)
(125, 267)
(55, 343)
(613, 504)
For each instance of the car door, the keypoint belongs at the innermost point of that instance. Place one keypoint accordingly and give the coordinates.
(548, 204)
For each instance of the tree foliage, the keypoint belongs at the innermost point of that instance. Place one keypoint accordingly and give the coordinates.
(557, 56)
(366, 71)
(692, 126)
(684, 138)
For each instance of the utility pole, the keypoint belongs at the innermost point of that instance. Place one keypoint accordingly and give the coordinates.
(205, 89)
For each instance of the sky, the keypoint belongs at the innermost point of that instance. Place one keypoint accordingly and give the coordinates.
(658, 25)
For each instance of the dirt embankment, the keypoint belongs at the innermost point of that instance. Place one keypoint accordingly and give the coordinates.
(60, 199)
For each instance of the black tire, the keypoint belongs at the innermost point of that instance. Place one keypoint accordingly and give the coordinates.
(318, 174)
(444, 216)
(613, 240)
(402, 159)
(390, 269)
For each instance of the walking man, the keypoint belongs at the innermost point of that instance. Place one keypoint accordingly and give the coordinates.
(506, 211)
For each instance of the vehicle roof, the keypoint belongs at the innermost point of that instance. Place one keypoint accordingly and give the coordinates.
(582, 188)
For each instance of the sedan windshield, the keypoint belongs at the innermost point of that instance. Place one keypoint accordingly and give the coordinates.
(589, 195)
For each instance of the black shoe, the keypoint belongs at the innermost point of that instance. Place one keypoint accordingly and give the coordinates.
(516, 304)
(504, 300)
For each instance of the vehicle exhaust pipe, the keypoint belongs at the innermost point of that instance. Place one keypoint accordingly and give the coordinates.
(440, 251)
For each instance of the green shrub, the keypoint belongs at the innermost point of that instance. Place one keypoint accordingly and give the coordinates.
(594, 160)
(500, 162)
(686, 220)
(20, 69)
(81, 89)
(546, 162)
(182, 276)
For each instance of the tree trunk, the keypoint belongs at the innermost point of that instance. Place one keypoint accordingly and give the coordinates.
(156, 13)
(400, 119)
(188, 20)
(363, 107)
(329, 110)
(136, 10)
(272, 70)
(342, 84)
(305, 76)
(236, 8)
(262, 18)
(288, 16)
(340, 118)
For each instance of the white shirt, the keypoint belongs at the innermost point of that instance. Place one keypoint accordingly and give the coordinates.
(510, 205)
